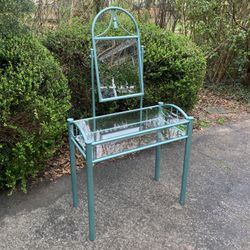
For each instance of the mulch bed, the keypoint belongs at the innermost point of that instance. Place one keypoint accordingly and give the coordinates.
(233, 110)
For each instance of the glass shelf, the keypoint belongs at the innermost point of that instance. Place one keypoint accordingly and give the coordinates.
(128, 131)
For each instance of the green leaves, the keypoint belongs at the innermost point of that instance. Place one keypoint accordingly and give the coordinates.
(174, 67)
(11, 14)
(34, 100)
(221, 29)
(71, 46)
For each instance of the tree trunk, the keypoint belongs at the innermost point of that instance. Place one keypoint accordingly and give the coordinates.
(162, 13)
(98, 5)
(72, 8)
(246, 79)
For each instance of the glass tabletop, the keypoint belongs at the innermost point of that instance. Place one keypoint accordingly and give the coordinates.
(121, 131)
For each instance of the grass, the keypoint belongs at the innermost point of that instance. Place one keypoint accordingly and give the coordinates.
(201, 124)
(221, 120)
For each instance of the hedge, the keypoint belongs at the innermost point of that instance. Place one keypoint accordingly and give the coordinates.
(34, 100)
(174, 67)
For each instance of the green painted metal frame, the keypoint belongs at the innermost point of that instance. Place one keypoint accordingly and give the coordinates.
(87, 152)
(136, 36)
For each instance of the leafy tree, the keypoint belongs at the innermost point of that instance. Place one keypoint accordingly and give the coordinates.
(221, 28)
(13, 14)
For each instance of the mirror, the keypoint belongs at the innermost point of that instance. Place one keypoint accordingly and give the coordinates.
(118, 67)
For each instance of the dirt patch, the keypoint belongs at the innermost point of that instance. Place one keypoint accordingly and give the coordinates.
(59, 165)
(214, 109)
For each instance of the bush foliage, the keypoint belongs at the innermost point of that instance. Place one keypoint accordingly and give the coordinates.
(13, 14)
(34, 100)
(70, 45)
(174, 67)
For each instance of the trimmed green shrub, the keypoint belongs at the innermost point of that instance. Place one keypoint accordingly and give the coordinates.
(34, 100)
(174, 67)
(70, 45)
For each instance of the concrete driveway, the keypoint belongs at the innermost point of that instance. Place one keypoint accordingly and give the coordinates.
(135, 212)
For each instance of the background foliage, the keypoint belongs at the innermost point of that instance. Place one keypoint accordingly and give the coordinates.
(219, 27)
(12, 14)
(70, 45)
(174, 67)
(34, 100)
